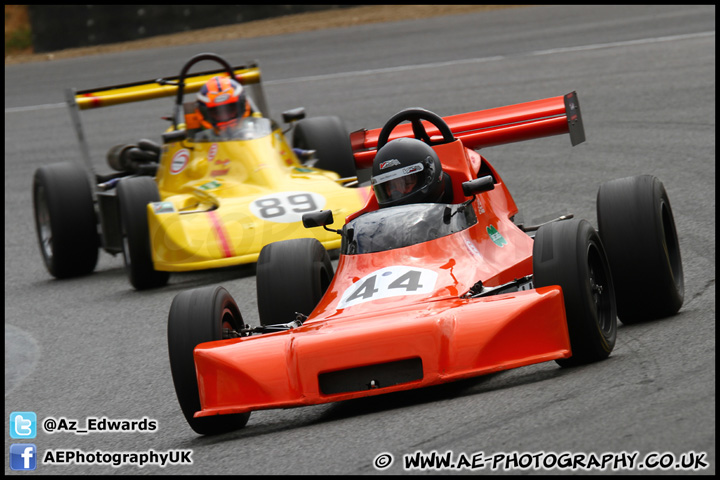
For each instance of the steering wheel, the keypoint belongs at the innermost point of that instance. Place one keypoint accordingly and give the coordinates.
(414, 116)
(181, 79)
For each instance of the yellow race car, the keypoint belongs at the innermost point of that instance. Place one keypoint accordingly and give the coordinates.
(203, 199)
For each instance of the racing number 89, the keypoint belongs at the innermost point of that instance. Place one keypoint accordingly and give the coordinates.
(272, 207)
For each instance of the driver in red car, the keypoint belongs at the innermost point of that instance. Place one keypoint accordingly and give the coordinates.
(407, 170)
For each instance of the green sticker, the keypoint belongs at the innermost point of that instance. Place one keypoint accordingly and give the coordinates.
(210, 185)
(495, 236)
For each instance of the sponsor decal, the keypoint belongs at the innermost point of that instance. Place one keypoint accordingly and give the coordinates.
(389, 163)
(210, 185)
(224, 166)
(163, 207)
(473, 249)
(496, 237)
(400, 172)
(212, 151)
(179, 161)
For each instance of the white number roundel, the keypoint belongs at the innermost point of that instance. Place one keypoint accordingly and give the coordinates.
(286, 207)
(179, 161)
(389, 282)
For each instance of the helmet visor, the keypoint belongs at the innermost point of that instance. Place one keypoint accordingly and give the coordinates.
(223, 113)
(397, 184)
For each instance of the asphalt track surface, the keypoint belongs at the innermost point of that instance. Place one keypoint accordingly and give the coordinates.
(645, 76)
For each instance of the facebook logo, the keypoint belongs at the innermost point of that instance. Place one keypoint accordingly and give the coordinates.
(23, 456)
(23, 425)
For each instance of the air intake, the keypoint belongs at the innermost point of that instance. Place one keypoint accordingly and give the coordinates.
(371, 376)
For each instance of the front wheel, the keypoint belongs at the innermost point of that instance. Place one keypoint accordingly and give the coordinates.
(570, 254)
(134, 194)
(65, 220)
(292, 277)
(197, 316)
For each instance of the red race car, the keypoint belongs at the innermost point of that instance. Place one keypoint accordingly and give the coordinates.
(431, 292)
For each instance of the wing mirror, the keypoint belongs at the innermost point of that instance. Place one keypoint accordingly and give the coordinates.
(320, 219)
(293, 115)
(479, 185)
(317, 219)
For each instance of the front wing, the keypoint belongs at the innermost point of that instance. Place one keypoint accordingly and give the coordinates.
(353, 357)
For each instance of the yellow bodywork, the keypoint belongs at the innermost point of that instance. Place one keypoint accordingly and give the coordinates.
(223, 201)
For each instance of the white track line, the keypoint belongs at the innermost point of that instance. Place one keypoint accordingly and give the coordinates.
(552, 51)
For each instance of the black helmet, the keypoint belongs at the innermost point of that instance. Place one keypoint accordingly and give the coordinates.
(407, 170)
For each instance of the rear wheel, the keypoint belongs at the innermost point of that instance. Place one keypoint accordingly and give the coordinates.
(65, 220)
(331, 142)
(134, 194)
(570, 254)
(638, 231)
(292, 276)
(197, 316)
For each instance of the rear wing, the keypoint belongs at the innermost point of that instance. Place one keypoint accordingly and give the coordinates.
(247, 75)
(495, 126)
(163, 87)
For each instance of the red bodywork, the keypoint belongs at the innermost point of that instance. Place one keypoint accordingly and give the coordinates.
(391, 341)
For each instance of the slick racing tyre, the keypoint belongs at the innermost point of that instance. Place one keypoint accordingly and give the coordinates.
(292, 276)
(65, 220)
(196, 316)
(638, 231)
(134, 194)
(331, 142)
(570, 254)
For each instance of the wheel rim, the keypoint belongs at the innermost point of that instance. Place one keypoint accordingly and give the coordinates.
(600, 288)
(228, 325)
(43, 222)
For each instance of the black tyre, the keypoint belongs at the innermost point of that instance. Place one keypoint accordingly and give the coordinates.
(570, 254)
(292, 276)
(637, 228)
(331, 142)
(197, 316)
(134, 194)
(65, 220)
